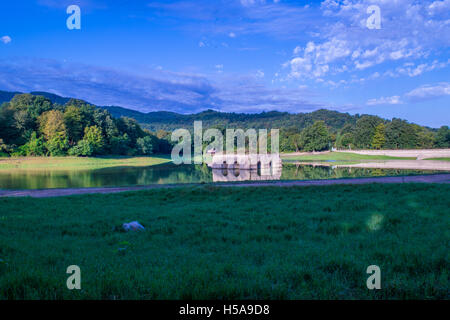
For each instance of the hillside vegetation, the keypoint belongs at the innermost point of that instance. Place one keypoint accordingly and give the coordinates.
(24, 120)
(316, 131)
(33, 125)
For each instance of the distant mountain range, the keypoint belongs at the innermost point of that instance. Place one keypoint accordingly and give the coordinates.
(6, 96)
(169, 121)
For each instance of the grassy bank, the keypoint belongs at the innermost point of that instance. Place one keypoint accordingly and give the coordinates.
(74, 163)
(338, 156)
(233, 243)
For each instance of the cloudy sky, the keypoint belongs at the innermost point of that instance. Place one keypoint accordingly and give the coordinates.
(235, 55)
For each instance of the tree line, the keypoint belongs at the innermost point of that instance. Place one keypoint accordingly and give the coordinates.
(368, 132)
(34, 126)
(315, 131)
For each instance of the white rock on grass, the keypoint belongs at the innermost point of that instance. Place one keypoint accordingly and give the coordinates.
(133, 226)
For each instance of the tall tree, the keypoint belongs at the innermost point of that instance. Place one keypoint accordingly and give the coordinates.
(53, 128)
(34, 147)
(425, 138)
(51, 124)
(379, 138)
(93, 135)
(365, 130)
(73, 119)
(145, 145)
(315, 137)
(443, 137)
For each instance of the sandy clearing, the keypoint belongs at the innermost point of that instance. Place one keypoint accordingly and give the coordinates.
(385, 164)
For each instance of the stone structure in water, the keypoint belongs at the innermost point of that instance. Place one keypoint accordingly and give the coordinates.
(244, 167)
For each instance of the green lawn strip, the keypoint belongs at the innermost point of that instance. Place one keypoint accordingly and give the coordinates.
(341, 156)
(73, 163)
(230, 243)
(329, 163)
(439, 159)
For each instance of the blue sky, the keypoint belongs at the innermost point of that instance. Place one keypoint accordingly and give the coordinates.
(236, 55)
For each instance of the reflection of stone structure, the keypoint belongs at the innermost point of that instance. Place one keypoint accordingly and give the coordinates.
(246, 167)
(227, 175)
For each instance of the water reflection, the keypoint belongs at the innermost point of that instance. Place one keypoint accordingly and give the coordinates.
(108, 177)
(235, 174)
(171, 174)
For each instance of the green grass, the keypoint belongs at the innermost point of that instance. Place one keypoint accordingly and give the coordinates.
(440, 159)
(339, 156)
(230, 243)
(78, 163)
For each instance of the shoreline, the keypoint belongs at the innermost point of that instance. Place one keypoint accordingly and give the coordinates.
(48, 193)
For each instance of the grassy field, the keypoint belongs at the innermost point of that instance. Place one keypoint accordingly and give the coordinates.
(230, 243)
(339, 156)
(74, 163)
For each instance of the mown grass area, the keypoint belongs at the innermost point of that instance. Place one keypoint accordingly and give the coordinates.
(439, 159)
(75, 163)
(339, 156)
(230, 243)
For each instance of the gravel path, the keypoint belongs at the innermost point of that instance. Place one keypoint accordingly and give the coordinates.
(44, 193)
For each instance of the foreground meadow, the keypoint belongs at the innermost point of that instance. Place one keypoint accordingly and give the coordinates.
(230, 243)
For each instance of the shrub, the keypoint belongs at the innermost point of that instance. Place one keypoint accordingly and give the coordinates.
(83, 148)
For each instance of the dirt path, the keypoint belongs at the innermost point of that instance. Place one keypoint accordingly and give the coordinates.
(44, 193)
(387, 164)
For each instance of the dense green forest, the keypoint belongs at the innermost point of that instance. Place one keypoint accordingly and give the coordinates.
(46, 124)
(316, 131)
(32, 125)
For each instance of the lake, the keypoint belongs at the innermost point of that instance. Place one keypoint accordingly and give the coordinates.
(171, 174)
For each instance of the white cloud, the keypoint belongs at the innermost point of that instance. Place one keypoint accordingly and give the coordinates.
(438, 6)
(6, 39)
(153, 90)
(363, 65)
(396, 55)
(314, 59)
(300, 67)
(411, 70)
(428, 92)
(385, 100)
(411, 31)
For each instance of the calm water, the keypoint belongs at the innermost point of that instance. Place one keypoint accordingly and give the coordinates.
(169, 174)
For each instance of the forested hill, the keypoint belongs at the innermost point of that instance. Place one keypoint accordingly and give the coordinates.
(169, 121)
(318, 130)
(6, 96)
(314, 131)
